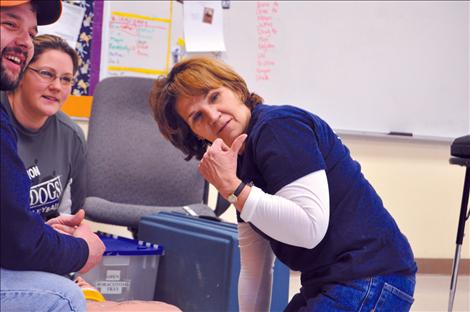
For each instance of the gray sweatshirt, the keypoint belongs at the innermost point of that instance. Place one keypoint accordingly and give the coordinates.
(54, 158)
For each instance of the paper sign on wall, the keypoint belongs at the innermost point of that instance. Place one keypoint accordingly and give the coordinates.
(203, 26)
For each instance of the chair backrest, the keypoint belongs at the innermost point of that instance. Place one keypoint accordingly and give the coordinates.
(129, 161)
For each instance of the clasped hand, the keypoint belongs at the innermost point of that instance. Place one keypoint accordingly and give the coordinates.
(74, 225)
(67, 224)
(219, 165)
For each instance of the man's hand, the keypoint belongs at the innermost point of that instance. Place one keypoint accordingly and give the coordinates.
(74, 225)
(69, 220)
(66, 224)
(96, 247)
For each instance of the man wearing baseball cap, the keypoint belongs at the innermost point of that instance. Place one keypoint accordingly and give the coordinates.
(33, 254)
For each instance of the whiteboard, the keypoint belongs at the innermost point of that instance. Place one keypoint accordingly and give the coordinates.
(365, 66)
(362, 66)
(135, 38)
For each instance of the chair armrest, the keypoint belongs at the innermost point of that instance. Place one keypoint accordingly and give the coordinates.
(101, 210)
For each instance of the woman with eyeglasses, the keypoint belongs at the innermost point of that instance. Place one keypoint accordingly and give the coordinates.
(50, 144)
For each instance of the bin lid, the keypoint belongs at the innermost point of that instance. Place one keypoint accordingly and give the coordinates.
(117, 245)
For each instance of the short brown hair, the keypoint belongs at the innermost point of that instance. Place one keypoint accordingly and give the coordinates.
(44, 43)
(193, 77)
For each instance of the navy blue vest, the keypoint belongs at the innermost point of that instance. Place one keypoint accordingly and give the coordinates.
(286, 143)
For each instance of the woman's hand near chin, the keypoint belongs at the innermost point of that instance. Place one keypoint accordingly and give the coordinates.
(219, 165)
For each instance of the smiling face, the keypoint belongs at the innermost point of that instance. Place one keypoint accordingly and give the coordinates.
(218, 114)
(41, 98)
(17, 28)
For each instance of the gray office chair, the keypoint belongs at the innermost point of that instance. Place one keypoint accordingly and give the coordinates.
(132, 169)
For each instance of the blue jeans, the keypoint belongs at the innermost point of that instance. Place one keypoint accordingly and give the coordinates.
(39, 291)
(387, 293)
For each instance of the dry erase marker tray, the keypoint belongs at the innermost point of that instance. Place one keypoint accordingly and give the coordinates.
(128, 270)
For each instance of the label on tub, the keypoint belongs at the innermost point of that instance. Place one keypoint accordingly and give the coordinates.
(112, 287)
(113, 275)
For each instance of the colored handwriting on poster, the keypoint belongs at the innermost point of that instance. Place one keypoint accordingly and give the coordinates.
(137, 44)
(266, 12)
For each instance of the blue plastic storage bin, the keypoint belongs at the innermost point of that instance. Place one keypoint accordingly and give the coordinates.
(128, 270)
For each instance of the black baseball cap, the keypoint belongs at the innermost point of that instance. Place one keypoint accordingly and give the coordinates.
(48, 11)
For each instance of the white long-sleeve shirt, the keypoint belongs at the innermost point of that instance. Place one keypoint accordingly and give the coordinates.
(296, 215)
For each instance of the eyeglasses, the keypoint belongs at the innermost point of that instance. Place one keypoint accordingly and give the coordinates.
(49, 76)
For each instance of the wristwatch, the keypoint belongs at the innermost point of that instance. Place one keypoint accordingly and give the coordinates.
(232, 198)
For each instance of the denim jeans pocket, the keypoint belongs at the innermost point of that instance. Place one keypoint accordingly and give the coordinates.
(393, 299)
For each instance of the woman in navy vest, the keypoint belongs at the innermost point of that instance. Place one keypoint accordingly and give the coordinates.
(298, 193)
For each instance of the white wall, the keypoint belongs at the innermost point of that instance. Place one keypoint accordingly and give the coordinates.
(417, 184)
(420, 189)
